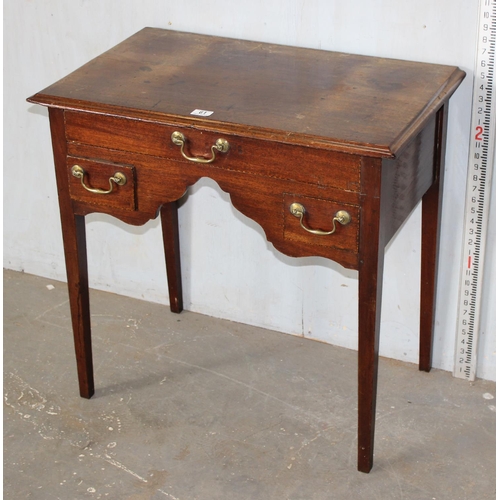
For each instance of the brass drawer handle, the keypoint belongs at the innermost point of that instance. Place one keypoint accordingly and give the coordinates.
(298, 210)
(118, 178)
(220, 145)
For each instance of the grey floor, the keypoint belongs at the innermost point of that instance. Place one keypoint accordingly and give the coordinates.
(191, 407)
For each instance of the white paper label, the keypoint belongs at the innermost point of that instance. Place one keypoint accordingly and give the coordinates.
(201, 112)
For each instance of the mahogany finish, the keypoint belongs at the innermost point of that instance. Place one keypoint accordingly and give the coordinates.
(431, 220)
(170, 230)
(328, 130)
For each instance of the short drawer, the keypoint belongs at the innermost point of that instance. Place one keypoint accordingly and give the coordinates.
(259, 157)
(304, 217)
(102, 183)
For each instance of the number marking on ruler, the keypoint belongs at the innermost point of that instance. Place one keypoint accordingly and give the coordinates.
(479, 175)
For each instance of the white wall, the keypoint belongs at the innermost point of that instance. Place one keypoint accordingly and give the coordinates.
(229, 269)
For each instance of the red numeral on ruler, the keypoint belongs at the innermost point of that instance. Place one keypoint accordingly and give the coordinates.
(479, 131)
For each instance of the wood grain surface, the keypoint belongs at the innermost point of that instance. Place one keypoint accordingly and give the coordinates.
(349, 102)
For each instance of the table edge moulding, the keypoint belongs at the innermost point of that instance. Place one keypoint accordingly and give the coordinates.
(328, 152)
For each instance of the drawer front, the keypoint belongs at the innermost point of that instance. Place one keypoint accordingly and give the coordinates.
(101, 183)
(318, 216)
(251, 156)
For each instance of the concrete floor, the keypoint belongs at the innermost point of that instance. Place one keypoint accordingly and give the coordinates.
(191, 407)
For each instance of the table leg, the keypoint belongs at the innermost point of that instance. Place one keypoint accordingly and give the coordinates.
(73, 227)
(431, 218)
(370, 300)
(371, 264)
(170, 229)
(75, 253)
(428, 275)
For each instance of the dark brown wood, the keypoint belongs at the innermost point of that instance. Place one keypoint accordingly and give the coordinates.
(407, 178)
(164, 75)
(170, 231)
(371, 264)
(259, 197)
(431, 222)
(97, 175)
(75, 253)
(319, 216)
(331, 131)
(258, 157)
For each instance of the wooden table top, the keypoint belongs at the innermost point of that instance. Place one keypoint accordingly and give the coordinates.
(358, 104)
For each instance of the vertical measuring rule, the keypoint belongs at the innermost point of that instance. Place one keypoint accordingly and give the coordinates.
(478, 192)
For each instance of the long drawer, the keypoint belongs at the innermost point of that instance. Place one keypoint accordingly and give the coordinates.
(253, 156)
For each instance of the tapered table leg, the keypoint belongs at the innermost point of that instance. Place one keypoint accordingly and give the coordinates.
(170, 229)
(431, 219)
(430, 229)
(371, 265)
(73, 228)
(75, 253)
(370, 300)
